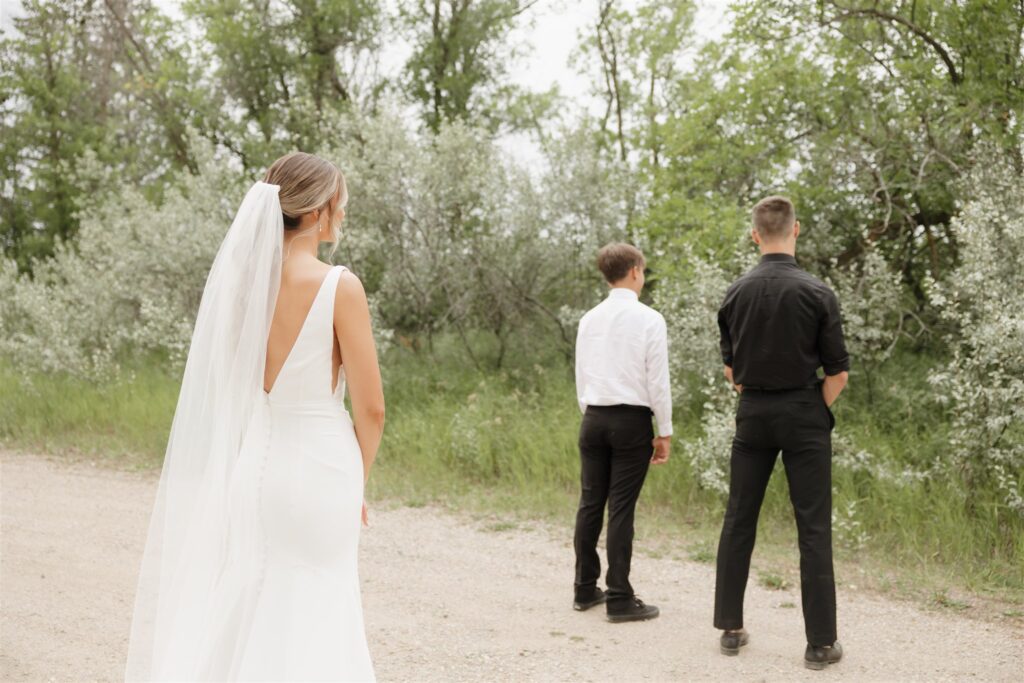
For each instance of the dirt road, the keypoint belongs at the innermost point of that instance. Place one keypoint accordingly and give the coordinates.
(446, 599)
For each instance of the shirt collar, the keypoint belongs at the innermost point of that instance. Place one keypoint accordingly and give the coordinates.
(778, 258)
(623, 293)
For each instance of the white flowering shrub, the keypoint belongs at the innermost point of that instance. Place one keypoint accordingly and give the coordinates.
(849, 457)
(847, 528)
(446, 231)
(129, 283)
(463, 239)
(468, 444)
(871, 303)
(983, 383)
(690, 305)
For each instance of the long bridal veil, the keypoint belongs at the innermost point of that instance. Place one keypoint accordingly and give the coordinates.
(190, 596)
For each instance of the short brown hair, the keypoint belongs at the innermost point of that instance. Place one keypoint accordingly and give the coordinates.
(615, 260)
(773, 217)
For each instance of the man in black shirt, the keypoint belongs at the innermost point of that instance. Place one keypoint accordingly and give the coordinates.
(778, 325)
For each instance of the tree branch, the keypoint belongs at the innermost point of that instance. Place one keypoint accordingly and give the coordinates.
(955, 76)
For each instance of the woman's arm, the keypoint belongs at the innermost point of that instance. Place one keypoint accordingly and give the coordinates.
(362, 372)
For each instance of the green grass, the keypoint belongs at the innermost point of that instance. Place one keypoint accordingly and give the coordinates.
(125, 422)
(773, 581)
(505, 441)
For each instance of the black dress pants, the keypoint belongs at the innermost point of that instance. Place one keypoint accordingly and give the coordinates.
(615, 453)
(799, 424)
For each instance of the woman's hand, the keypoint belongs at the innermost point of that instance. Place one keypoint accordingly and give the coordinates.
(366, 519)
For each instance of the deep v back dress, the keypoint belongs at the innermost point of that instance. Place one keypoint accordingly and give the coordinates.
(299, 487)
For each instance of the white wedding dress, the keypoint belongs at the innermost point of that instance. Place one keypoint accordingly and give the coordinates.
(250, 569)
(286, 606)
(299, 480)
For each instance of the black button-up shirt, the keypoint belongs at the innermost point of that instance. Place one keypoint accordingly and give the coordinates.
(778, 325)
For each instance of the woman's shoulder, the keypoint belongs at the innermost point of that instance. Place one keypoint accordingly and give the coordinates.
(349, 287)
(306, 273)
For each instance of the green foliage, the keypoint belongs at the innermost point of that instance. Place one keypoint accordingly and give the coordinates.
(460, 58)
(729, 139)
(638, 53)
(865, 113)
(285, 71)
(85, 79)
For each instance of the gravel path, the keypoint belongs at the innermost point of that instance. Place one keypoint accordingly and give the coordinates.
(446, 599)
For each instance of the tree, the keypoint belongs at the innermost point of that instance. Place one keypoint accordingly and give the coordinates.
(457, 238)
(286, 71)
(866, 113)
(460, 58)
(128, 284)
(639, 53)
(108, 78)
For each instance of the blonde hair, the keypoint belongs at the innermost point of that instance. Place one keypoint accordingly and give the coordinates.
(308, 183)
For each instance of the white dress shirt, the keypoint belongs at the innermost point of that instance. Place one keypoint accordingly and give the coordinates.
(622, 357)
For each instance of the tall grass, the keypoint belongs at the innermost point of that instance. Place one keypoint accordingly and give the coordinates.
(125, 421)
(505, 441)
(509, 437)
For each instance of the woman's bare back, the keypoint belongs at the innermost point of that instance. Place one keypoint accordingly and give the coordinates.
(300, 283)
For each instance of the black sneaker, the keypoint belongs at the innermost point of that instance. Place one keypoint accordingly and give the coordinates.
(818, 657)
(596, 597)
(632, 610)
(732, 641)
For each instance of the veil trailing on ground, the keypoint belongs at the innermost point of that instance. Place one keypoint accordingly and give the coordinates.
(185, 593)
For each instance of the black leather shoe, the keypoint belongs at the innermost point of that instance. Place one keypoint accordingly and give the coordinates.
(632, 610)
(581, 603)
(818, 657)
(732, 641)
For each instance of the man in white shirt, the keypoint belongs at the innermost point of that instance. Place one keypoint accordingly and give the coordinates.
(621, 379)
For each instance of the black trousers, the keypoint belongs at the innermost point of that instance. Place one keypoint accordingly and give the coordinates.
(799, 424)
(615, 453)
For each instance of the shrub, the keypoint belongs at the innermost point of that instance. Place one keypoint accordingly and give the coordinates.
(982, 385)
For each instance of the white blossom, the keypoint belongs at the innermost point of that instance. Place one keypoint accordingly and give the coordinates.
(983, 383)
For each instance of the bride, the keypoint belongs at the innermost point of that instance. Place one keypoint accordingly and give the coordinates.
(250, 570)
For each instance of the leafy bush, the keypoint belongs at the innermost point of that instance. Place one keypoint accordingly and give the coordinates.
(690, 303)
(982, 385)
(462, 238)
(128, 285)
(446, 231)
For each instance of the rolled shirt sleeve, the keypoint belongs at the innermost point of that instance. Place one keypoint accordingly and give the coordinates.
(831, 345)
(659, 387)
(724, 339)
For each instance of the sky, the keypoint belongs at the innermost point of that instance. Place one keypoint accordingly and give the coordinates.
(555, 31)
